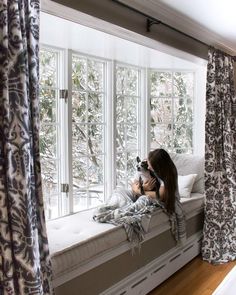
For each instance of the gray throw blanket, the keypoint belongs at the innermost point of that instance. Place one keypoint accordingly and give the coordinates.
(134, 214)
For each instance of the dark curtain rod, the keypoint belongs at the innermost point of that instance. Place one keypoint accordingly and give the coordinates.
(152, 20)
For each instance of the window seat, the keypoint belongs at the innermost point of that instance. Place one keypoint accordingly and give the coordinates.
(79, 244)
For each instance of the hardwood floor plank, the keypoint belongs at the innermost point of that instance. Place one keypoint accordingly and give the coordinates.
(198, 277)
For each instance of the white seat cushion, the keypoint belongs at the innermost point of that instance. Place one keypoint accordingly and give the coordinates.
(77, 239)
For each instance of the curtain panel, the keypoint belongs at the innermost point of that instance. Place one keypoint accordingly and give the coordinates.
(25, 266)
(219, 234)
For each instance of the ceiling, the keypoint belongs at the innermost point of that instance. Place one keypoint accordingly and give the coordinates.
(211, 21)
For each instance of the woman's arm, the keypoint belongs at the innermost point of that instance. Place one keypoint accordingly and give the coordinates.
(136, 188)
(151, 194)
(148, 186)
(162, 192)
(148, 189)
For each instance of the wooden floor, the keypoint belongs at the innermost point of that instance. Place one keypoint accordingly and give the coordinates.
(198, 277)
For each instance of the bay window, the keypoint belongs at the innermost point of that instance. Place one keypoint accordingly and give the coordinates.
(92, 124)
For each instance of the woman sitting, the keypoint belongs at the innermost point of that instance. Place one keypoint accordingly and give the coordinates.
(162, 166)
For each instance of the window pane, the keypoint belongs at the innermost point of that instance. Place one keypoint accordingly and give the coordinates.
(88, 131)
(183, 84)
(79, 173)
(80, 200)
(49, 172)
(183, 110)
(51, 206)
(120, 80)
(49, 130)
(161, 110)
(161, 136)
(131, 164)
(95, 139)
(48, 68)
(79, 140)
(78, 106)
(132, 110)
(84, 199)
(48, 105)
(171, 103)
(49, 175)
(88, 182)
(121, 169)
(95, 108)
(161, 84)
(48, 141)
(132, 137)
(132, 82)
(120, 137)
(127, 120)
(183, 137)
(120, 109)
(95, 76)
(79, 73)
(96, 197)
(95, 171)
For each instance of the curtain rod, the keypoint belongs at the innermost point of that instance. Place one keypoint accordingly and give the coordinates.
(152, 20)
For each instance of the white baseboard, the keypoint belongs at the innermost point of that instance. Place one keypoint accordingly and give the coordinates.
(153, 274)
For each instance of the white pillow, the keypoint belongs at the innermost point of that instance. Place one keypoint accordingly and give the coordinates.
(185, 183)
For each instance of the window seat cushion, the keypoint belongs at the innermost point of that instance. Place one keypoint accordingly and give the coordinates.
(77, 239)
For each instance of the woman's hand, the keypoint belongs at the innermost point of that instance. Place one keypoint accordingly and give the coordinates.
(136, 187)
(149, 184)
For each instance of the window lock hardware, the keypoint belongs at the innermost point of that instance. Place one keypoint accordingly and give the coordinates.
(64, 94)
(64, 187)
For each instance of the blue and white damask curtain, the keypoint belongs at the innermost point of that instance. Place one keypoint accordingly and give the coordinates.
(25, 266)
(219, 236)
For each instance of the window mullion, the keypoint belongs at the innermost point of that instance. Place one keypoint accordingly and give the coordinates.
(148, 111)
(63, 117)
(125, 127)
(114, 150)
(172, 111)
(58, 130)
(109, 107)
(87, 134)
(143, 115)
(69, 138)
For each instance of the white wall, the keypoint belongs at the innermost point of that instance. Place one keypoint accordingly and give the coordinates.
(67, 34)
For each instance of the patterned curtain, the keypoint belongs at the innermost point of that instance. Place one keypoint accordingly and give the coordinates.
(219, 234)
(25, 266)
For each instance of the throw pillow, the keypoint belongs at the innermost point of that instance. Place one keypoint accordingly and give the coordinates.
(185, 183)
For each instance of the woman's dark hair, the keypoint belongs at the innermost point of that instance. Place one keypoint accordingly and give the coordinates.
(165, 169)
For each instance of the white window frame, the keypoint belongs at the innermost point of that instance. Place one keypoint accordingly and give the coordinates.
(148, 110)
(140, 98)
(61, 79)
(107, 86)
(65, 200)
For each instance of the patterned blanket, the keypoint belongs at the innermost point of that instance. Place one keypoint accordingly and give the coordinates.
(135, 214)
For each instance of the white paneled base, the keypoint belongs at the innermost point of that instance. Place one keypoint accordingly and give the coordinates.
(228, 285)
(153, 274)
